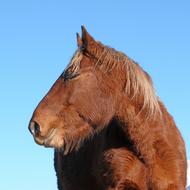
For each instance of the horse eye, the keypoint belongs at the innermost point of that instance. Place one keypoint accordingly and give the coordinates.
(69, 75)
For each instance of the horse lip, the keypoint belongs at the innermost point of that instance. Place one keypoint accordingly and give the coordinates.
(48, 139)
(43, 141)
(50, 133)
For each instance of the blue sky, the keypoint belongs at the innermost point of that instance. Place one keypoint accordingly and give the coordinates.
(37, 40)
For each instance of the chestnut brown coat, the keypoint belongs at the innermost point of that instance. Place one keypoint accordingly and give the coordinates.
(101, 91)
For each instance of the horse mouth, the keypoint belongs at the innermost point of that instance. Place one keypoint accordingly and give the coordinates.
(51, 140)
(46, 140)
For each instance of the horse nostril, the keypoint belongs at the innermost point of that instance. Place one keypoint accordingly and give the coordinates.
(34, 128)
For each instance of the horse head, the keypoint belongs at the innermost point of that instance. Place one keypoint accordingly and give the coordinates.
(80, 103)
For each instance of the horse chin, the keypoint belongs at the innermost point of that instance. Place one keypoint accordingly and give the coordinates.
(67, 147)
(59, 143)
(62, 140)
(51, 140)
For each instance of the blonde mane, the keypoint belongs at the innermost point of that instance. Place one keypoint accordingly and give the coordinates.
(74, 64)
(138, 82)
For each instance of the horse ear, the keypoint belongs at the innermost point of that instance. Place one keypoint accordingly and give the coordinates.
(79, 41)
(87, 40)
(90, 45)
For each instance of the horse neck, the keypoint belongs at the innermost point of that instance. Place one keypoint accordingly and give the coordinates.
(111, 136)
(127, 111)
(137, 128)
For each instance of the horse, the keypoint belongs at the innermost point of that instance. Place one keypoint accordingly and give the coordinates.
(101, 85)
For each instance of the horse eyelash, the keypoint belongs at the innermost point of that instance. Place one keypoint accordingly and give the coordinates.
(68, 76)
(72, 70)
